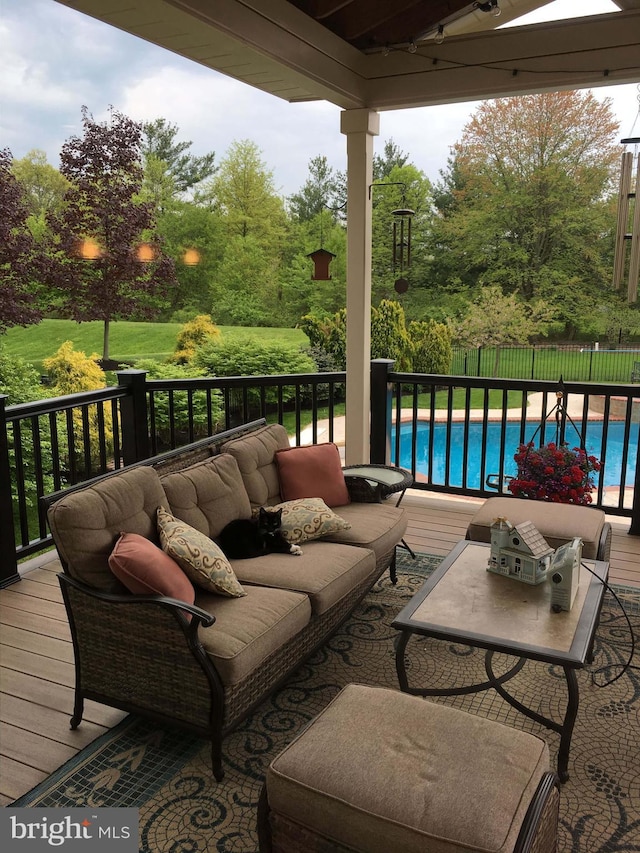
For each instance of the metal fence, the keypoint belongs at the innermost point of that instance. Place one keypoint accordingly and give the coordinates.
(580, 363)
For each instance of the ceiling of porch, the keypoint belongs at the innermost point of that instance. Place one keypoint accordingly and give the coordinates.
(381, 54)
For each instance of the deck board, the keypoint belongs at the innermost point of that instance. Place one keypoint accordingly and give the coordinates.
(36, 670)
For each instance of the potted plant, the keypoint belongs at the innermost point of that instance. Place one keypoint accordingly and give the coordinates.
(556, 473)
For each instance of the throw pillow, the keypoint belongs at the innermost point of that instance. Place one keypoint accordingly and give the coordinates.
(312, 471)
(198, 556)
(308, 518)
(146, 570)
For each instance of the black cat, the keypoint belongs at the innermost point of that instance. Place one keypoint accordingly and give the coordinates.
(244, 538)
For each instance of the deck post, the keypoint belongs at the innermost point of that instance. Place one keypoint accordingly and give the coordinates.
(8, 560)
(381, 399)
(133, 412)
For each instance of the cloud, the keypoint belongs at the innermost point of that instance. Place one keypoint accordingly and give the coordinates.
(55, 60)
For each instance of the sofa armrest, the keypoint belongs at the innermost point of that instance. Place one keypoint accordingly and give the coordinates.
(141, 653)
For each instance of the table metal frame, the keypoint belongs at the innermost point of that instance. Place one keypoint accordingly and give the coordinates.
(570, 660)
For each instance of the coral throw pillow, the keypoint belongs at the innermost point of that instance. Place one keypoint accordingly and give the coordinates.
(145, 569)
(313, 471)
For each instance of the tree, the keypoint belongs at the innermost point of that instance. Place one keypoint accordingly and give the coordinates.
(22, 261)
(44, 187)
(495, 320)
(110, 263)
(160, 146)
(526, 203)
(245, 287)
(392, 158)
(324, 188)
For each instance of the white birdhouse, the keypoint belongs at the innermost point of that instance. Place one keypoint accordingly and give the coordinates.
(519, 551)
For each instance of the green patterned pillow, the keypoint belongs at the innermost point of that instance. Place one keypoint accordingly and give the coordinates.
(308, 518)
(198, 556)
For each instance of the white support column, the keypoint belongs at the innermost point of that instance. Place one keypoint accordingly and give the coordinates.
(359, 126)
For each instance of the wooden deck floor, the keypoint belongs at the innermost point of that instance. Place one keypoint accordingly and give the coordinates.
(36, 657)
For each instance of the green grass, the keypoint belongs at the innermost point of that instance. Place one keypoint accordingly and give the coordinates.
(128, 341)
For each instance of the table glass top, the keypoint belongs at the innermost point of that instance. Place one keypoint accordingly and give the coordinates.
(390, 476)
(467, 601)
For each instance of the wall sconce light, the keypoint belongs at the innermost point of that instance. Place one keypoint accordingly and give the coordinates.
(439, 36)
(191, 257)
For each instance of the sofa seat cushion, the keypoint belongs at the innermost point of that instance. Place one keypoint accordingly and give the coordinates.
(376, 526)
(255, 455)
(558, 523)
(325, 571)
(87, 524)
(381, 771)
(208, 495)
(248, 630)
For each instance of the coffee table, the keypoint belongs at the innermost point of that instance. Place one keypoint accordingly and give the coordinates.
(462, 602)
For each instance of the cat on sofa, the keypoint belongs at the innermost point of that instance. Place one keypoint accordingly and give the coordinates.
(244, 538)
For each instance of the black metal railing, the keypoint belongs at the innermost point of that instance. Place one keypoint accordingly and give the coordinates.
(434, 425)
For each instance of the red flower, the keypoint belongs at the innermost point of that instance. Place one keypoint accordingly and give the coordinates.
(554, 473)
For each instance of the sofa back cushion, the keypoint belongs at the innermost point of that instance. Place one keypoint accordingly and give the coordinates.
(255, 455)
(86, 524)
(208, 495)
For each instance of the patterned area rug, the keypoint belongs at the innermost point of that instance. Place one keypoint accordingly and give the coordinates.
(167, 774)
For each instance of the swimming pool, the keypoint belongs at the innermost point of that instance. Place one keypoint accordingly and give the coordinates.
(612, 470)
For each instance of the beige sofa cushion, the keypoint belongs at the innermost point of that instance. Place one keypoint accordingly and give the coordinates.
(382, 771)
(208, 495)
(255, 455)
(376, 526)
(558, 523)
(325, 571)
(87, 524)
(248, 630)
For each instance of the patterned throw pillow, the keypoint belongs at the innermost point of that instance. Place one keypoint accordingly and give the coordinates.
(308, 518)
(198, 556)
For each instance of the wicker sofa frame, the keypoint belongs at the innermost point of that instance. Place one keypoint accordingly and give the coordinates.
(141, 654)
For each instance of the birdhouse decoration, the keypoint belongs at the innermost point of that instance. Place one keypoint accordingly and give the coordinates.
(321, 259)
(519, 551)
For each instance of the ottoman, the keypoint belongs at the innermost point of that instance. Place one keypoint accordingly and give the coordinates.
(558, 523)
(380, 771)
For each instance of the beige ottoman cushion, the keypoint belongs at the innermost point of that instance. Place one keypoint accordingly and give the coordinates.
(380, 771)
(558, 523)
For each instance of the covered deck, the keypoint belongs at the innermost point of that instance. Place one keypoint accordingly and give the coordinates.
(36, 663)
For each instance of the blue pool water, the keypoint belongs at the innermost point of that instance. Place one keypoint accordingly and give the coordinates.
(614, 449)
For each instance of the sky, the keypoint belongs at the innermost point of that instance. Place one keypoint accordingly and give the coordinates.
(54, 60)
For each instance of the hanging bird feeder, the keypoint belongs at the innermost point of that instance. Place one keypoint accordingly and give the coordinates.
(321, 259)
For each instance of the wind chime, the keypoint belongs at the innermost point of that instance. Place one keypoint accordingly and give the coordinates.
(401, 238)
(627, 246)
(401, 246)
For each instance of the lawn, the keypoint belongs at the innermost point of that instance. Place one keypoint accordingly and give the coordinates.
(128, 341)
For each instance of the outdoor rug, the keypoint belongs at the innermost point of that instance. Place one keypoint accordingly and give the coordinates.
(167, 774)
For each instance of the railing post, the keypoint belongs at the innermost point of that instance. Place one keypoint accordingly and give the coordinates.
(634, 529)
(133, 414)
(381, 398)
(8, 563)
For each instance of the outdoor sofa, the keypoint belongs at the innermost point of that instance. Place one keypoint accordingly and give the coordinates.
(150, 641)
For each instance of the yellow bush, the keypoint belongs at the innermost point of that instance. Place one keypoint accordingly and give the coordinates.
(195, 333)
(71, 372)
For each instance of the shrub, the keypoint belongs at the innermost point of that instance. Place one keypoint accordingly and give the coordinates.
(248, 358)
(164, 410)
(431, 347)
(195, 333)
(71, 372)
